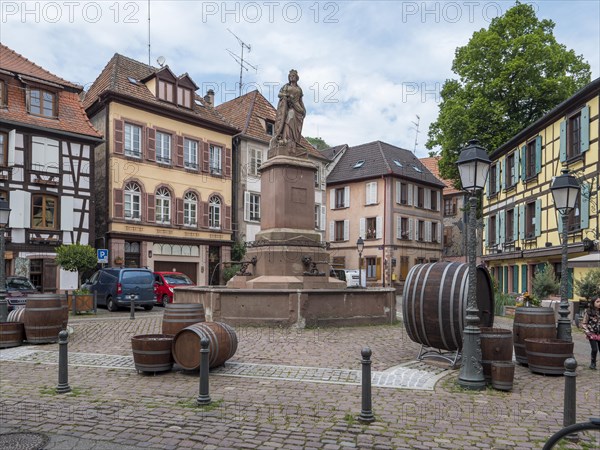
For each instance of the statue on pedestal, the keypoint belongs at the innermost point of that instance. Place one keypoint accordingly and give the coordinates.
(289, 119)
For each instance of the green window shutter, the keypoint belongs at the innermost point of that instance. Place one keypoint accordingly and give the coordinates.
(506, 287)
(523, 165)
(570, 283)
(500, 277)
(538, 217)
(515, 286)
(563, 141)
(524, 278)
(538, 154)
(521, 222)
(584, 213)
(585, 129)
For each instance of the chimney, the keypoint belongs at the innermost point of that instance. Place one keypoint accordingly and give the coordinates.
(209, 98)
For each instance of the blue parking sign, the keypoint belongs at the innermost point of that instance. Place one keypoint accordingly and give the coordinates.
(102, 255)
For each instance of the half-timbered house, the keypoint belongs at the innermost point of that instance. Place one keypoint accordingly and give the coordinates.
(46, 160)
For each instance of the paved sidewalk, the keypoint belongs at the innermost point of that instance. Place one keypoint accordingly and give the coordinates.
(272, 394)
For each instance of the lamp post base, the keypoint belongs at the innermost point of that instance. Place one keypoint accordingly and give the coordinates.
(471, 371)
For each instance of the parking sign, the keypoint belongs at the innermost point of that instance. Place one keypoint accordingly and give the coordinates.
(102, 255)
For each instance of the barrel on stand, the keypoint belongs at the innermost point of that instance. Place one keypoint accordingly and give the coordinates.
(434, 303)
(152, 352)
(503, 375)
(531, 322)
(186, 345)
(177, 316)
(11, 334)
(496, 345)
(547, 356)
(44, 317)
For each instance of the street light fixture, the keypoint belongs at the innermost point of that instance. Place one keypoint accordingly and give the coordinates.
(473, 166)
(360, 245)
(4, 215)
(565, 190)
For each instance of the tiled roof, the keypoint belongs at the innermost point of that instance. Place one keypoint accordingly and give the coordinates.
(379, 158)
(121, 76)
(331, 152)
(245, 112)
(432, 164)
(71, 116)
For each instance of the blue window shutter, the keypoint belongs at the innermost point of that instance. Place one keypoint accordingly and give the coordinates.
(585, 129)
(538, 154)
(503, 176)
(523, 165)
(584, 213)
(524, 278)
(487, 187)
(563, 141)
(517, 163)
(501, 226)
(521, 221)
(538, 217)
(515, 230)
(498, 178)
(486, 233)
(498, 228)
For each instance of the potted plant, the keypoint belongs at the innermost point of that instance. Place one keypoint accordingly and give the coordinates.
(78, 258)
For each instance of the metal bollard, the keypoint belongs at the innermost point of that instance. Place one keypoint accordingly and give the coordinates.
(203, 397)
(569, 414)
(63, 363)
(366, 414)
(132, 306)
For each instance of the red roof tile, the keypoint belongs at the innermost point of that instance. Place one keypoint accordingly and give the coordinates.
(432, 165)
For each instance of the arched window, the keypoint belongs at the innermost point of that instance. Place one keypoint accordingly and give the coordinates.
(163, 206)
(214, 212)
(133, 195)
(190, 209)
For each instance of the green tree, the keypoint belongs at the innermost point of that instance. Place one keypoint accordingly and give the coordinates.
(545, 282)
(76, 258)
(317, 142)
(510, 75)
(589, 285)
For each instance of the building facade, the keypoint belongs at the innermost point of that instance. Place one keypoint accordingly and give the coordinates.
(163, 175)
(522, 226)
(385, 195)
(46, 169)
(254, 115)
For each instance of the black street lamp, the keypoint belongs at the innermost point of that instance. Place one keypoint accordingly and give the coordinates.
(473, 166)
(565, 190)
(360, 245)
(4, 215)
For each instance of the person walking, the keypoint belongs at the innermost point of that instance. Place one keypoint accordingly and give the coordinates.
(591, 326)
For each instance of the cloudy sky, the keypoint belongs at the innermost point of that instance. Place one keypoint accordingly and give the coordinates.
(367, 68)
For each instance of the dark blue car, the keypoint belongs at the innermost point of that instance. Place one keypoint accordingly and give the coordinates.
(116, 285)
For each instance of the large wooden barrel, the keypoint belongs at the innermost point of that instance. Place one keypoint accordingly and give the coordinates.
(177, 316)
(16, 315)
(496, 345)
(434, 303)
(44, 316)
(547, 356)
(11, 334)
(531, 322)
(186, 345)
(152, 352)
(503, 375)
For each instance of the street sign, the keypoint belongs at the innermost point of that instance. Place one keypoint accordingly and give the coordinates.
(102, 256)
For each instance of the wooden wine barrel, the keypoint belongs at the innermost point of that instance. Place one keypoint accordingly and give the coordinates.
(11, 334)
(503, 375)
(152, 352)
(496, 345)
(186, 345)
(531, 322)
(434, 303)
(547, 356)
(177, 316)
(43, 318)
(16, 315)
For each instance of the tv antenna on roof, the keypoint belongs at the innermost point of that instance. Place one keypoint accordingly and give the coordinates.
(416, 124)
(240, 59)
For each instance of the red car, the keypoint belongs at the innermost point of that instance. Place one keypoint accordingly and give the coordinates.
(166, 282)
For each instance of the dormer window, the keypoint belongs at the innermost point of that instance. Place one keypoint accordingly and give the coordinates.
(41, 102)
(166, 91)
(184, 97)
(3, 99)
(270, 127)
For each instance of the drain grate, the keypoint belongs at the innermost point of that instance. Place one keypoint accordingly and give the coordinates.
(23, 441)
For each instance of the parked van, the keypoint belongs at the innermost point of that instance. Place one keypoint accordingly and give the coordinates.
(350, 276)
(115, 285)
(165, 282)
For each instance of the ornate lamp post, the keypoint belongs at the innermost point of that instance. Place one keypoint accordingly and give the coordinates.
(473, 165)
(360, 245)
(565, 191)
(4, 214)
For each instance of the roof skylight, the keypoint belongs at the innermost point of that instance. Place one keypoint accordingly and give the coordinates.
(398, 163)
(132, 80)
(359, 164)
(417, 169)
